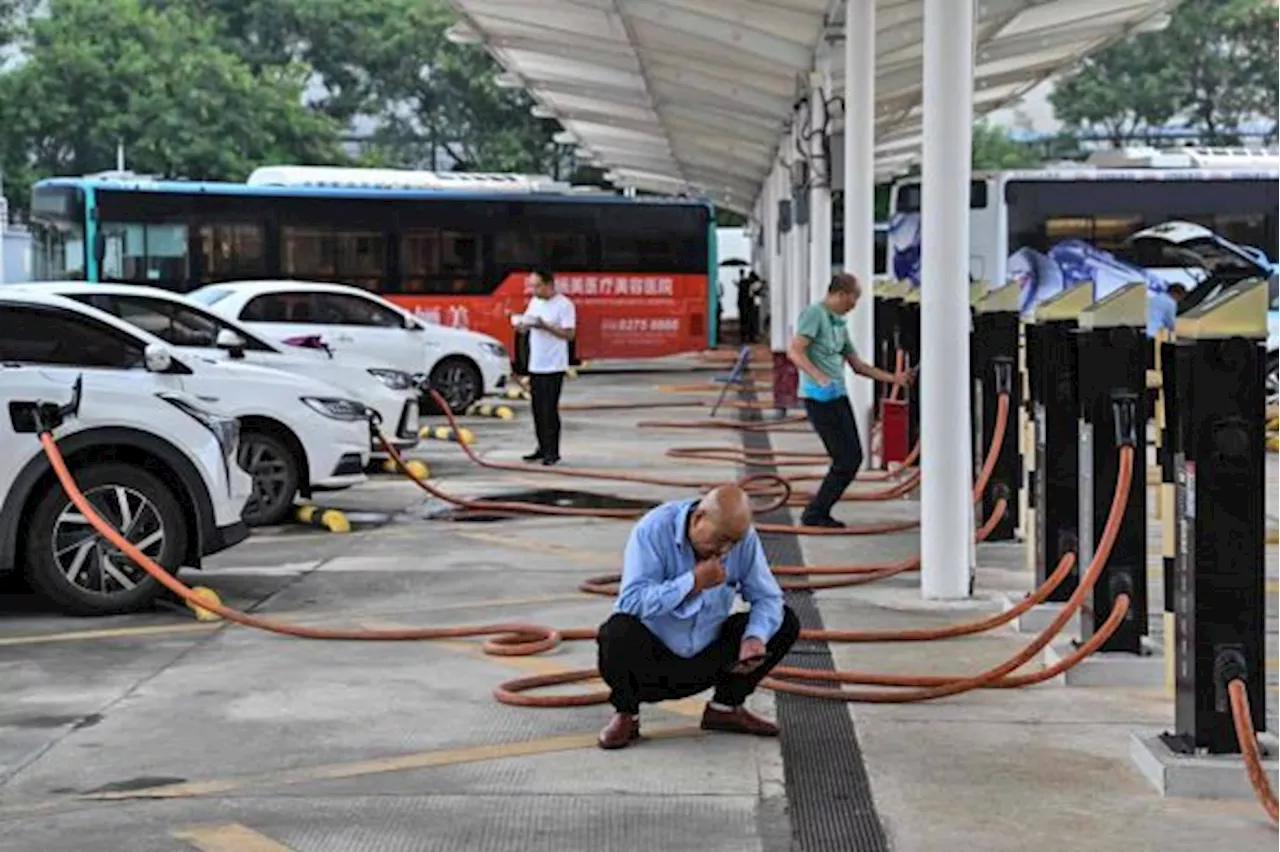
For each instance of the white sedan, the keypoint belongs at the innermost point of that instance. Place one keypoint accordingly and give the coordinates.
(462, 365)
(187, 325)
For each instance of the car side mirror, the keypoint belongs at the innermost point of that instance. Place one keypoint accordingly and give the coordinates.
(412, 324)
(158, 358)
(230, 341)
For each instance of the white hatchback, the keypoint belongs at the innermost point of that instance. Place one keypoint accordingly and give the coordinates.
(189, 326)
(152, 461)
(298, 435)
(462, 365)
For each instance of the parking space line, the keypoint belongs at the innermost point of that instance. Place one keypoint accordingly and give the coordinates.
(512, 542)
(232, 837)
(109, 633)
(382, 766)
(165, 629)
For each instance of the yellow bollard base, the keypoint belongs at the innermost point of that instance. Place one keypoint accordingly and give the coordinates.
(205, 595)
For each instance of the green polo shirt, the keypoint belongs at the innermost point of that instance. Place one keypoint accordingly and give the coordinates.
(829, 343)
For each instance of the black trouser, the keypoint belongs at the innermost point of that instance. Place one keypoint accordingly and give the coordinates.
(639, 668)
(834, 423)
(544, 388)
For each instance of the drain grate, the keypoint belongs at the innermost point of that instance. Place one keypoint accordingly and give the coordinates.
(543, 497)
(828, 791)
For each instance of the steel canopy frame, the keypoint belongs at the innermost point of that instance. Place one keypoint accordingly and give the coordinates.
(696, 96)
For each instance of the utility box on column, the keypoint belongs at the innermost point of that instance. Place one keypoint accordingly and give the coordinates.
(1112, 360)
(1217, 438)
(996, 330)
(1054, 378)
(909, 330)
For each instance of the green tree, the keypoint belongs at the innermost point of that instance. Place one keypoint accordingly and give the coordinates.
(102, 73)
(1213, 67)
(1122, 91)
(994, 148)
(427, 99)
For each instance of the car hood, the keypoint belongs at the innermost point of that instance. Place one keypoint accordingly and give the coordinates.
(462, 338)
(206, 366)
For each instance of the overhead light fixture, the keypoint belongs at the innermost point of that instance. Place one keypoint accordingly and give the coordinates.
(541, 111)
(460, 33)
(1154, 24)
(564, 137)
(507, 80)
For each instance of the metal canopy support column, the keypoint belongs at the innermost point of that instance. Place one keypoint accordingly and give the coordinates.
(797, 285)
(859, 195)
(945, 511)
(820, 182)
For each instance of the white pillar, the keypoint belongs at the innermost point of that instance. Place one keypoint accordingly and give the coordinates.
(820, 184)
(945, 510)
(777, 269)
(859, 196)
(798, 255)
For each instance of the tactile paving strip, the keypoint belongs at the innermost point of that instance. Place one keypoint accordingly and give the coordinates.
(828, 791)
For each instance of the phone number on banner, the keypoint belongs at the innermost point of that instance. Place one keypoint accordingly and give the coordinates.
(660, 324)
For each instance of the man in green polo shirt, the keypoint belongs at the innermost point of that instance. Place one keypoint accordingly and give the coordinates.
(820, 349)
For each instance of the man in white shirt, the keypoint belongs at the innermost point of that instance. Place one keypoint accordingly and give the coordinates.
(551, 320)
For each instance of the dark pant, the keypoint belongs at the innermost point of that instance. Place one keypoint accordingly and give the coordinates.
(639, 668)
(544, 388)
(834, 423)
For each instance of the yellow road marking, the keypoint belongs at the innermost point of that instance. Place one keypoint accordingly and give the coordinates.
(228, 838)
(516, 543)
(380, 766)
(109, 633)
(307, 618)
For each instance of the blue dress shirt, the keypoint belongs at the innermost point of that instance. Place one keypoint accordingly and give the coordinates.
(657, 579)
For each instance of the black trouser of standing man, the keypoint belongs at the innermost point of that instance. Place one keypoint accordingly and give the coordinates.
(834, 423)
(544, 390)
(639, 668)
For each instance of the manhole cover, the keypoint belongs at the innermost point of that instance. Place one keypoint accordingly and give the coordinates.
(543, 497)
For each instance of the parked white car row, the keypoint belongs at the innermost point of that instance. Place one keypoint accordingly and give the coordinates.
(189, 426)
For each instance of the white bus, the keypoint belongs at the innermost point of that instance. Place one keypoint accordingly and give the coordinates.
(1101, 203)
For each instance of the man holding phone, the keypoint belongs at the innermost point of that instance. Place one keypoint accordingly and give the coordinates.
(671, 634)
(551, 322)
(820, 349)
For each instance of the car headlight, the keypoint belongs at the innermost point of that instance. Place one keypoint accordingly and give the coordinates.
(335, 408)
(395, 379)
(225, 429)
(495, 349)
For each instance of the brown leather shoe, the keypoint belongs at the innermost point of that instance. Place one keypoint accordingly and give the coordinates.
(621, 730)
(739, 720)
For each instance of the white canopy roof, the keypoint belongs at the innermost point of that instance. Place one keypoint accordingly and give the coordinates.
(695, 95)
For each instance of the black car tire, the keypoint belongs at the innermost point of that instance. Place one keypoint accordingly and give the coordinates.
(154, 509)
(258, 449)
(455, 371)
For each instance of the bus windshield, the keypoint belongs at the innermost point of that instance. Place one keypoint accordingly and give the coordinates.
(57, 229)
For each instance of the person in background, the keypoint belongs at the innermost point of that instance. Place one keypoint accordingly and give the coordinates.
(551, 321)
(744, 308)
(673, 634)
(1162, 309)
(820, 349)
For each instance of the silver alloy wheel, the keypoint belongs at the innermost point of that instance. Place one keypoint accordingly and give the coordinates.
(456, 382)
(1273, 382)
(90, 562)
(270, 474)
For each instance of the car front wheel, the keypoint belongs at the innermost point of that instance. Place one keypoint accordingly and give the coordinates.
(275, 474)
(459, 382)
(72, 565)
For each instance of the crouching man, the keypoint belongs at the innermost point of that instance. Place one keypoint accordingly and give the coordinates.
(671, 634)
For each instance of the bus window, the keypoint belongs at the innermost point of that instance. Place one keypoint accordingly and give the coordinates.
(145, 252)
(909, 194)
(441, 262)
(327, 254)
(232, 251)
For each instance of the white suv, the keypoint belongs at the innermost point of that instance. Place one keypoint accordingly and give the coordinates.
(462, 365)
(188, 326)
(298, 435)
(154, 463)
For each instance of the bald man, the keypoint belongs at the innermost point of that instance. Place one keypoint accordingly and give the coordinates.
(671, 634)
